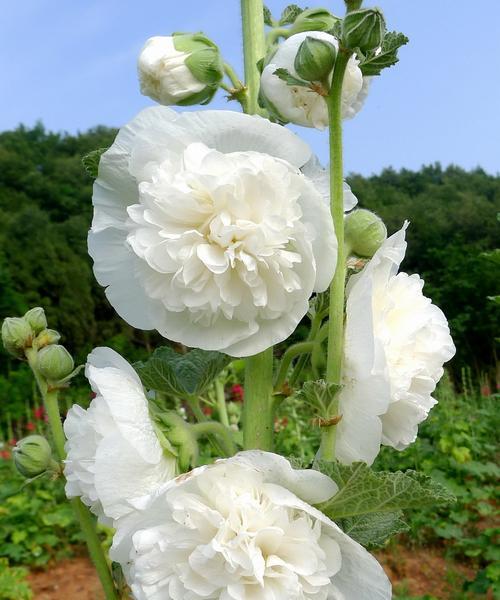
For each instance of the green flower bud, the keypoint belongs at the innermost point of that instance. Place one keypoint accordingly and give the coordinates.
(314, 19)
(55, 362)
(37, 319)
(32, 456)
(364, 232)
(363, 29)
(315, 59)
(46, 337)
(179, 434)
(16, 335)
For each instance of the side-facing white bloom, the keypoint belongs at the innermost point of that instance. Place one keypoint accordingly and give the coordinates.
(302, 105)
(396, 342)
(114, 459)
(180, 69)
(244, 529)
(206, 229)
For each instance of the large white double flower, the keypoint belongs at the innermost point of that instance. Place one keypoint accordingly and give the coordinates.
(114, 459)
(302, 105)
(396, 342)
(244, 529)
(206, 229)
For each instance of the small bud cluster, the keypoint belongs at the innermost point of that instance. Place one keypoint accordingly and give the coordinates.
(21, 335)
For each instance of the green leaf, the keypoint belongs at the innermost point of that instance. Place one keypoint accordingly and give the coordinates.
(363, 491)
(373, 529)
(268, 18)
(180, 374)
(289, 14)
(285, 76)
(319, 394)
(373, 63)
(91, 161)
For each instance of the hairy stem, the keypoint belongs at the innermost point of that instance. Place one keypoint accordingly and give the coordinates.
(336, 313)
(221, 402)
(213, 428)
(84, 516)
(254, 48)
(293, 351)
(258, 405)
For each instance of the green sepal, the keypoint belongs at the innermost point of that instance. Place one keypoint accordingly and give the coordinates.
(203, 97)
(314, 19)
(372, 64)
(364, 29)
(268, 17)
(289, 14)
(181, 374)
(320, 395)
(289, 79)
(91, 161)
(192, 42)
(206, 66)
(315, 59)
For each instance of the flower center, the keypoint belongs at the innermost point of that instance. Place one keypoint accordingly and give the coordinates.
(218, 231)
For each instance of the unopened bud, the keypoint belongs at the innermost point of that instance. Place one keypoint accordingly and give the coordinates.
(55, 362)
(32, 456)
(16, 335)
(315, 59)
(363, 29)
(314, 19)
(365, 232)
(46, 337)
(37, 319)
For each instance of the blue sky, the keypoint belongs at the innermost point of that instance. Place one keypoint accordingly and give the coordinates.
(71, 63)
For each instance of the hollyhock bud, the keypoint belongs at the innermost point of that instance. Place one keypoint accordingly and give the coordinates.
(365, 232)
(315, 59)
(314, 19)
(32, 456)
(37, 319)
(182, 69)
(363, 29)
(46, 337)
(55, 362)
(16, 335)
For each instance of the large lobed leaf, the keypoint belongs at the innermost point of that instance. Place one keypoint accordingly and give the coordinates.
(181, 374)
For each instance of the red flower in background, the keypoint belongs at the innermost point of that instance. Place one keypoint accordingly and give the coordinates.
(39, 413)
(30, 426)
(5, 454)
(207, 410)
(237, 393)
(12, 442)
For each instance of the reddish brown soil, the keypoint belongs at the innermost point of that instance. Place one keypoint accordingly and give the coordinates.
(423, 571)
(73, 579)
(420, 571)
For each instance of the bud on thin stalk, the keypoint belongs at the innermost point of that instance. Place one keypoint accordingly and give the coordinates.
(364, 232)
(363, 29)
(315, 59)
(33, 456)
(16, 335)
(314, 19)
(55, 362)
(36, 319)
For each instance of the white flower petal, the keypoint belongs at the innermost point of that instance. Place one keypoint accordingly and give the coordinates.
(114, 458)
(223, 240)
(240, 529)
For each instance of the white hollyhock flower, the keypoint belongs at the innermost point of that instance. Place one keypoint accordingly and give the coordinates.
(302, 105)
(206, 229)
(396, 342)
(180, 69)
(114, 458)
(244, 529)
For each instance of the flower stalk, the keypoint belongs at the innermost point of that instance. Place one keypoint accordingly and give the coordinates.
(86, 520)
(258, 405)
(336, 312)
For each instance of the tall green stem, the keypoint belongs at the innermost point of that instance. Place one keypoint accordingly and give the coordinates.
(85, 518)
(254, 48)
(257, 406)
(336, 314)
